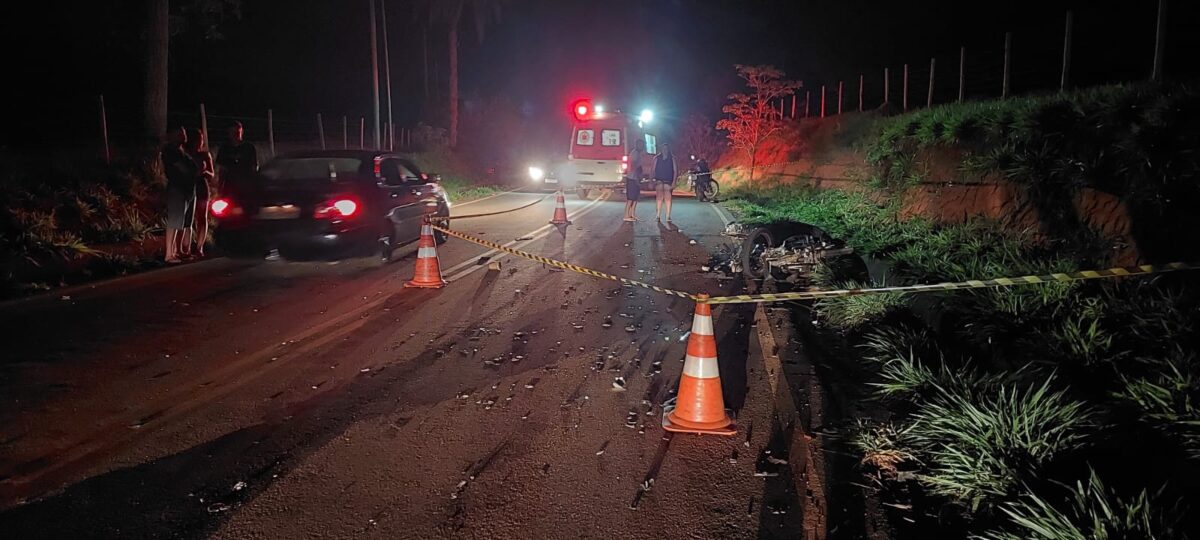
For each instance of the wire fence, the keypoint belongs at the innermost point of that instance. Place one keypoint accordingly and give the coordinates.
(1010, 65)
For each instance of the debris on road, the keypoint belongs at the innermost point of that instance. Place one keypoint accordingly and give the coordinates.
(619, 384)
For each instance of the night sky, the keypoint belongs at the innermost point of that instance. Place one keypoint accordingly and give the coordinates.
(300, 57)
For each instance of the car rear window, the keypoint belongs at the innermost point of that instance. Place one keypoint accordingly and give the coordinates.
(309, 168)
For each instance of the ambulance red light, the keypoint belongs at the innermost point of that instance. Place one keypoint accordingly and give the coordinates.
(582, 109)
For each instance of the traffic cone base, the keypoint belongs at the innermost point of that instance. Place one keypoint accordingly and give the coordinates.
(560, 210)
(427, 273)
(699, 406)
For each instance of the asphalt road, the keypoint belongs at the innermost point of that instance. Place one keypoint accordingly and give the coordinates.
(285, 400)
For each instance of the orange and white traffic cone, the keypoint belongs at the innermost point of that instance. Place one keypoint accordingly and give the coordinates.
(560, 210)
(428, 271)
(699, 406)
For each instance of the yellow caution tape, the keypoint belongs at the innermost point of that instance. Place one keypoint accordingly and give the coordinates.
(563, 265)
(1123, 271)
(1142, 270)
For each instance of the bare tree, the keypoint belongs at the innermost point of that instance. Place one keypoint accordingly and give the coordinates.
(751, 116)
(161, 22)
(451, 12)
(697, 137)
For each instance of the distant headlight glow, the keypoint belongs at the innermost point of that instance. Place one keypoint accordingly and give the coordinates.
(536, 173)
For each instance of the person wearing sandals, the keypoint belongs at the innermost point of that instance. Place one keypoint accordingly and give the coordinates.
(633, 181)
(181, 172)
(664, 181)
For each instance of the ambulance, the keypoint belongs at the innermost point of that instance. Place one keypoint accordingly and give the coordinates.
(601, 145)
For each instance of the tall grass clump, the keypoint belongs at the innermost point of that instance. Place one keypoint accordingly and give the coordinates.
(1092, 512)
(982, 446)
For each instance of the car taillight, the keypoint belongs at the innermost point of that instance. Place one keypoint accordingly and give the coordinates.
(221, 207)
(625, 163)
(337, 208)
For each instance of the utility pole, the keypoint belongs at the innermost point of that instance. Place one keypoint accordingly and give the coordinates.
(1160, 39)
(387, 74)
(375, 72)
(345, 134)
(321, 130)
(1066, 63)
(905, 87)
(840, 84)
(822, 101)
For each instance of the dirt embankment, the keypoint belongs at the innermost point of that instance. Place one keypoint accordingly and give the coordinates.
(828, 154)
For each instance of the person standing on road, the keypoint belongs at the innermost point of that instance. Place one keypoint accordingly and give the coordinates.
(664, 181)
(633, 180)
(205, 187)
(703, 177)
(181, 171)
(237, 159)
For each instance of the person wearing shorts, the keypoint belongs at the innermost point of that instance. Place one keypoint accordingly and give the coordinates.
(181, 172)
(664, 181)
(633, 181)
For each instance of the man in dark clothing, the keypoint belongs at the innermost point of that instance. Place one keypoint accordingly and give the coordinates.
(182, 173)
(237, 160)
(703, 177)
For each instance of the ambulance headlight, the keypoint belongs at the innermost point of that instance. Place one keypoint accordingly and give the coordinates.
(536, 174)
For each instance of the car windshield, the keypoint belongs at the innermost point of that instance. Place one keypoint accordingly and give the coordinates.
(309, 168)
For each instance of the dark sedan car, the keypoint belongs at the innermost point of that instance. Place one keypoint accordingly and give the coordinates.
(328, 204)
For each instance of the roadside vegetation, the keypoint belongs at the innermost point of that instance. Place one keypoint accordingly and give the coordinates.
(1065, 410)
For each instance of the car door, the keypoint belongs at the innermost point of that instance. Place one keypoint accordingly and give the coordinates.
(404, 193)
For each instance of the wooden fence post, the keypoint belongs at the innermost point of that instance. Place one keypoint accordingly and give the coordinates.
(362, 133)
(1066, 62)
(793, 106)
(822, 101)
(860, 93)
(321, 130)
(932, 67)
(1007, 63)
(271, 131)
(962, 72)
(104, 131)
(887, 86)
(905, 87)
(807, 100)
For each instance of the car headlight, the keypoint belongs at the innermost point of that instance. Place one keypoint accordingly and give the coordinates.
(536, 173)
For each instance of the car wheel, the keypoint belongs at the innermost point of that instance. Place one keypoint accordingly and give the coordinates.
(440, 237)
(758, 241)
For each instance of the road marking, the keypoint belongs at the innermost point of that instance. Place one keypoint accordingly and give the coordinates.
(533, 236)
(725, 218)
